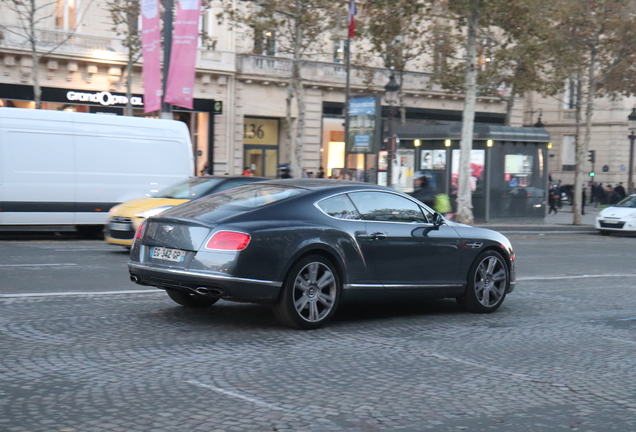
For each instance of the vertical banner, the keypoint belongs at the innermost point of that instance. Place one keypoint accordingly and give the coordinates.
(151, 52)
(181, 74)
(363, 125)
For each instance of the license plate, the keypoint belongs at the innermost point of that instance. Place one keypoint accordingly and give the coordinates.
(163, 253)
(119, 226)
(611, 222)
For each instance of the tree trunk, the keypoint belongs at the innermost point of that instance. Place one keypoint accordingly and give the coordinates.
(288, 118)
(464, 193)
(298, 89)
(129, 80)
(580, 154)
(35, 57)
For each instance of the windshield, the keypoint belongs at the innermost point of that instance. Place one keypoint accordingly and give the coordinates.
(630, 201)
(189, 189)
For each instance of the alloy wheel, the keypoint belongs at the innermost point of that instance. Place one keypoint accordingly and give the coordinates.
(315, 290)
(491, 279)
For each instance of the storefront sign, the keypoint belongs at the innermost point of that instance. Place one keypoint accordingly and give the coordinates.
(151, 52)
(103, 98)
(260, 131)
(183, 56)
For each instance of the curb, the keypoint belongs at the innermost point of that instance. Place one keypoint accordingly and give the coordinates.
(571, 229)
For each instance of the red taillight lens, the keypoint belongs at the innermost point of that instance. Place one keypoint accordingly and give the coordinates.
(228, 240)
(140, 230)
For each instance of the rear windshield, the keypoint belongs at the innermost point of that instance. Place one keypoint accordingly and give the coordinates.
(189, 189)
(251, 196)
(630, 201)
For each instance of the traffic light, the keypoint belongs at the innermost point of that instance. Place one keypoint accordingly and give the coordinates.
(592, 156)
(591, 173)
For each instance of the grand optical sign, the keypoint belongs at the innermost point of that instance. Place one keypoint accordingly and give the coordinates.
(103, 98)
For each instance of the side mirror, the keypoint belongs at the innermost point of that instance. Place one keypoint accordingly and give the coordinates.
(438, 220)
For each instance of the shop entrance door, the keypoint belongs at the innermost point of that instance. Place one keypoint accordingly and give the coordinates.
(261, 160)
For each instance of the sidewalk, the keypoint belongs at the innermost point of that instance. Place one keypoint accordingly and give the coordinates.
(562, 221)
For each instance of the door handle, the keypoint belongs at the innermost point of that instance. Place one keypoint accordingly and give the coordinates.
(378, 236)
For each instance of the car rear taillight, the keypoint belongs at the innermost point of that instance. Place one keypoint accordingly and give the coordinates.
(140, 230)
(228, 240)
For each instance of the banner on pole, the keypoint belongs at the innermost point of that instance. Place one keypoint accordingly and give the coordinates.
(151, 52)
(181, 73)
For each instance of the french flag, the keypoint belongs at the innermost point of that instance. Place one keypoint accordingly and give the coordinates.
(352, 13)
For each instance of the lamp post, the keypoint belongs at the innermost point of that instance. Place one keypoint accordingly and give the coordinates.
(539, 123)
(632, 137)
(391, 97)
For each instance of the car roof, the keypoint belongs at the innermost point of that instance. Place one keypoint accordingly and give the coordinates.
(227, 177)
(324, 184)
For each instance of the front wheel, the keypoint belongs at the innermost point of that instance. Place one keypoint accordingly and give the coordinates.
(194, 301)
(488, 281)
(311, 293)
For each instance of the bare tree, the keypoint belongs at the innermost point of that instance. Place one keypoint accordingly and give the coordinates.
(299, 27)
(30, 15)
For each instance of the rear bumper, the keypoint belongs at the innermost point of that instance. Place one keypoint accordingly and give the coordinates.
(228, 287)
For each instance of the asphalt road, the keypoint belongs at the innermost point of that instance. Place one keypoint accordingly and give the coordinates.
(86, 355)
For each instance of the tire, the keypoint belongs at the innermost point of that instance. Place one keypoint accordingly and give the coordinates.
(311, 293)
(488, 281)
(188, 300)
(604, 232)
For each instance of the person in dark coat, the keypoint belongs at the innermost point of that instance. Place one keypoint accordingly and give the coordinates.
(553, 199)
(620, 190)
(423, 190)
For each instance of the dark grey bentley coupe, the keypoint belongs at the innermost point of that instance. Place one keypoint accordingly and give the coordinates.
(305, 245)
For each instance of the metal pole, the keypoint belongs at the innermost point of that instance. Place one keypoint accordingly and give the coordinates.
(391, 150)
(166, 108)
(630, 179)
(347, 96)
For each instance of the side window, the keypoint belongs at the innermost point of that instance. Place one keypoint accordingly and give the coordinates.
(339, 207)
(387, 207)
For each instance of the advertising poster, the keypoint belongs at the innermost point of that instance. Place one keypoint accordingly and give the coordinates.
(426, 160)
(403, 168)
(383, 158)
(181, 74)
(439, 159)
(477, 160)
(363, 122)
(151, 52)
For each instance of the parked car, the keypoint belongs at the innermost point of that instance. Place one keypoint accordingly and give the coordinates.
(302, 245)
(619, 217)
(124, 218)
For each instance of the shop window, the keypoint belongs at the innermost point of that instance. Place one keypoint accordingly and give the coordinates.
(66, 14)
(570, 94)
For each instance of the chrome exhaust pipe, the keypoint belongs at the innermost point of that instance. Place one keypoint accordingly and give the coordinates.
(209, 291)
(134, 279)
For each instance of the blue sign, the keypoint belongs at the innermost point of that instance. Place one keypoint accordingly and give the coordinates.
(361, 141)
(362, 106)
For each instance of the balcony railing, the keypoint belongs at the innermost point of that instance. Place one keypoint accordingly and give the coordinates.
(326, 73)
(63, 42)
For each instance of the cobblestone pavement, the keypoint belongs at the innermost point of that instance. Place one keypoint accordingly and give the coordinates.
(558, 355)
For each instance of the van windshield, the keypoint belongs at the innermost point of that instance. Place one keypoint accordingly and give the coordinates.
(191, 189)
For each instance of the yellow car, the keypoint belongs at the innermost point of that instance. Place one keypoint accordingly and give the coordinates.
(123, 219)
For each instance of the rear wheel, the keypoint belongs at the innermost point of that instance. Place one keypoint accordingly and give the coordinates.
(311, 293)
(488, 281)
(191, 300)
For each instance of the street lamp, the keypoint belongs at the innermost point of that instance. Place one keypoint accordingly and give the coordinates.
(391, 97)
(539, 123)
(632, 137)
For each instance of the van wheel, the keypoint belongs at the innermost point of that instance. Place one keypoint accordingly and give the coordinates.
(90, 231)
(194, 301)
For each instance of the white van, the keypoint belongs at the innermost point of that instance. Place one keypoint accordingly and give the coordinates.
(61, 168)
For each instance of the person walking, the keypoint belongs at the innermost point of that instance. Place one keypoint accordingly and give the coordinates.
(553, 196)
(423, 192)
(620, 190)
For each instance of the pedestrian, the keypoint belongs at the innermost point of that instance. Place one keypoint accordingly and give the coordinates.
(583, 201)
(620, 190)
(553, 196)
(247, 172)
(206, 170)
(560, 189)
(284, 173)
(321, 172)
(423, 192)
(600, 194)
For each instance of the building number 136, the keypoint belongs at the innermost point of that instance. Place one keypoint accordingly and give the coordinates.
(251, 131)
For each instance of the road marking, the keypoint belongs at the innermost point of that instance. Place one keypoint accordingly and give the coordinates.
(530, 278)
(627, 319)
(77, 293)
(235, 395)
(37, 265)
